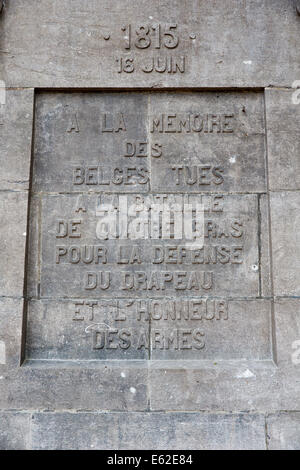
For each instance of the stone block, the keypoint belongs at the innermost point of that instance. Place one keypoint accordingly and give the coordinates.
(83, 329)
(14, 431)
(67, 385)
(11, 321)
(283, 431)
(282, 119)
(287, 321)
(13, 212)
(202, 44)
(152, 266)
(91, 142)
(237, 330)
(16, 124)
(285, 226)
(170, 431)
(211, 142)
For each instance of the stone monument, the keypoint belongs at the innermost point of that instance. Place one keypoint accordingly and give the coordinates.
(149, 200)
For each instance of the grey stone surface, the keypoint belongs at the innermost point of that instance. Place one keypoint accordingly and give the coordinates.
(147, 431)
(16, 121)
(119, 431)
(285, 242)
(233, 45)
(14, 431)
(230, 386)
(284, 431)
(224, 386)
(215, 121)
(13, 212)
(282, 118)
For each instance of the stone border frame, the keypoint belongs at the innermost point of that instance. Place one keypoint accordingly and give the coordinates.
(265, 275)
(221, 387)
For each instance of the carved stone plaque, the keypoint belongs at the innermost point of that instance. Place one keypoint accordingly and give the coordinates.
(144, 209)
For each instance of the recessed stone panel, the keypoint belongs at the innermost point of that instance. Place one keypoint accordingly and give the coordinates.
(126, 264)
(158, 329)
(125, 142)
(80, 258)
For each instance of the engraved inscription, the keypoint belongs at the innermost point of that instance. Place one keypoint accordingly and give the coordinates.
(146, 222)
(159, 40)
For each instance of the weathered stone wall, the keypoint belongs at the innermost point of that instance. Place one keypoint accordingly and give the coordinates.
(101, 100)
